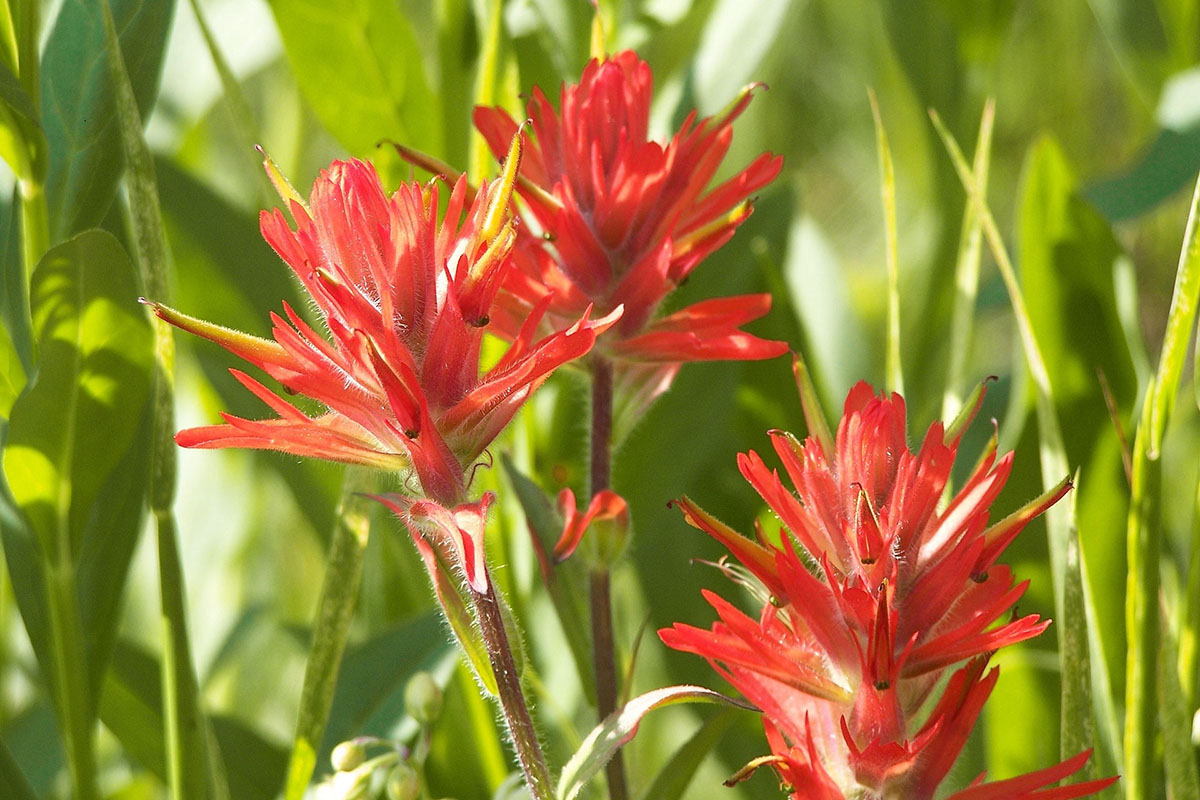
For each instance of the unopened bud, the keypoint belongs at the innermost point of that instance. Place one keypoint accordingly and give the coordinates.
(423, 698)
(352, 785)
(348, 755)
(403, 783)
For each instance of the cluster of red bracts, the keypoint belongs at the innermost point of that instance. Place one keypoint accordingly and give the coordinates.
(611, 223)
(872, 590)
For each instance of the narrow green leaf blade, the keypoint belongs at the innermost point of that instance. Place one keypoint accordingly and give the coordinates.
(22, 142)
(13, 784)
(895, 375)
(335, 611)
(1179, 755)
(621, 726)
(672, 780)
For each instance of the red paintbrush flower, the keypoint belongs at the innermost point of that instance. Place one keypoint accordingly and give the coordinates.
(405, 300)
(624, 219)
(843, 656)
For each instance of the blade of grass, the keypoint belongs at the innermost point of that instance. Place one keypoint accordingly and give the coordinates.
(1144, 526)
(1076, 723)
(966, 271)
(895, 375)
(1174, 712)
(335, 610)
(1189, 634)
(187, 750)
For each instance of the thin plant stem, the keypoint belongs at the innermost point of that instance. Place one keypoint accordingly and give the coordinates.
(512, 699)
(73, 694)
(603, 644)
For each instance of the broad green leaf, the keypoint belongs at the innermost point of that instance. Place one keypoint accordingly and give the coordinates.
(357, 65)
(621, 726)
(75, 459)
(76, 419)
(335, 611)
(672, 780)
(79, 113)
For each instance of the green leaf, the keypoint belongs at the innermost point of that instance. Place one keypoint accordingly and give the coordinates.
(14, 284)
(335, 611)
(621, 726)
(79, 113)
(75, 458)
(13, 784)
(672, 780)
(12, 373)
(1179, 754)
(357, 65)
(736, 39)
(371, 683)
(562, 579)
(75, 421)
(131, 708)
(22, 143)
(895, 377)
(32, 740)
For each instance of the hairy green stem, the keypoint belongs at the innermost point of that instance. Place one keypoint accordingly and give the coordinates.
(512, 698)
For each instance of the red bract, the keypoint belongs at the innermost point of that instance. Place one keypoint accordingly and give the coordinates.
(842, 658)
(406, 301)
(626, 219)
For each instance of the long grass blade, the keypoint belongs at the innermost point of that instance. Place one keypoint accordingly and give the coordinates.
(895, 375)
(1178, 755)
(480, 156)
(1068, 595)
(966, 271)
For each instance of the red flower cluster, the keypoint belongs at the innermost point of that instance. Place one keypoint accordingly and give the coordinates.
(843, 657)
(623, 219)
(405, 301)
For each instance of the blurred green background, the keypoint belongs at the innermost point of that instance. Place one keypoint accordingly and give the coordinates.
(1096, 144)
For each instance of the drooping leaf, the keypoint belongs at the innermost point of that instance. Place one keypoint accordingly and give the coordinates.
(621, 726)
(357, 65)
(79, 113)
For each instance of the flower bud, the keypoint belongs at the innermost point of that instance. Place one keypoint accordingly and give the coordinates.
(403, 783)
(348, 755)
(423, 698)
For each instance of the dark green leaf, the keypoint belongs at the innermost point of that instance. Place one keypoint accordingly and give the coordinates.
(79, 114)
(33, 742)
(374, 673)
(673, 779)
(358, 67)
(14, 285)
(1167, 165)
(13, 784)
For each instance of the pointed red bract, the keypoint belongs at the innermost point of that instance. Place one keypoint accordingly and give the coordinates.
(623, 219)
(405, 298)
(845, 652)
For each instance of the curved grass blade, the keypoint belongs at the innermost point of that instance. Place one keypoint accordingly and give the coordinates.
(1077, 706)
(673, 779)
(621, 726)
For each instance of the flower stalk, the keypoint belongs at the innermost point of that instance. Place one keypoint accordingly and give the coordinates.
(512, 698)
(600, 591)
